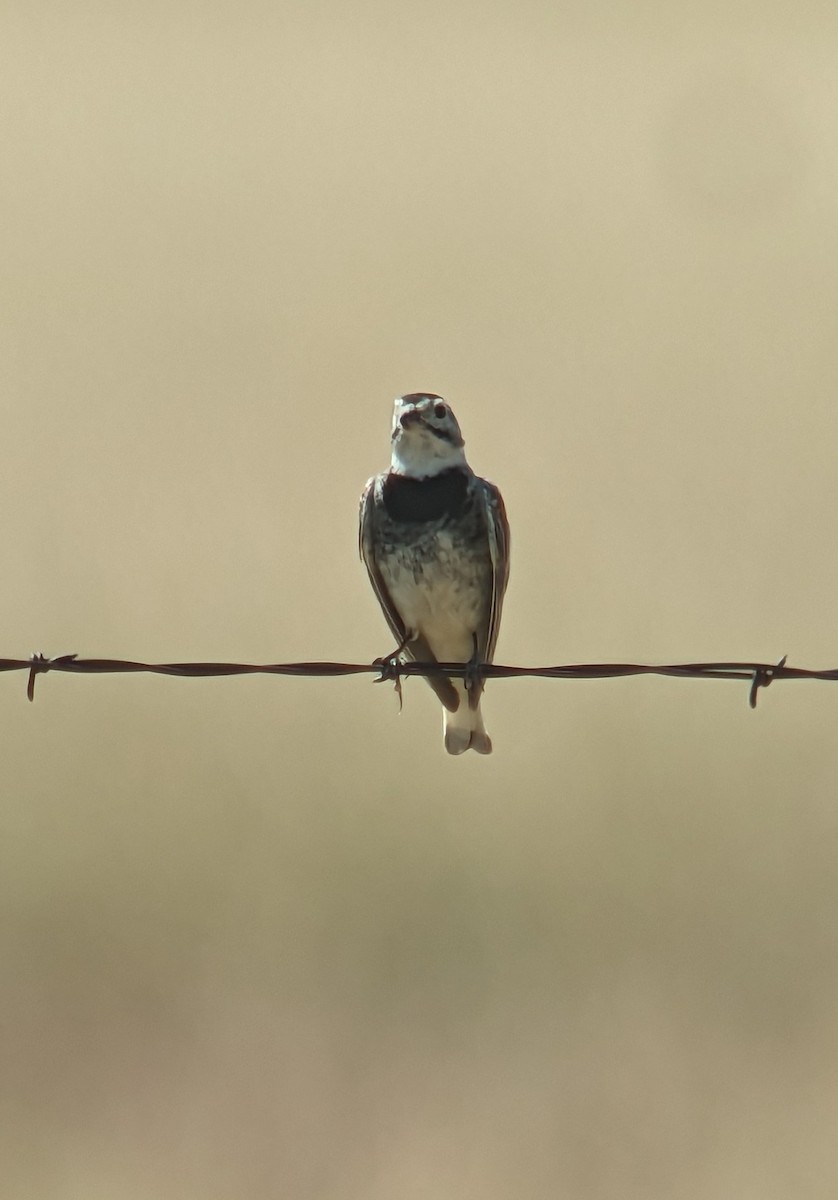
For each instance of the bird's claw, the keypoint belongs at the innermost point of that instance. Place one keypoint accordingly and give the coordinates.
(389, 668)
(473, 677)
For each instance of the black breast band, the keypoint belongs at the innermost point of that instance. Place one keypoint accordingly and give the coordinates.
(414, 500)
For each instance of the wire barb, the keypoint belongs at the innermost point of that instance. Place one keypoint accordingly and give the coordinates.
(763, 676)
(38, 665)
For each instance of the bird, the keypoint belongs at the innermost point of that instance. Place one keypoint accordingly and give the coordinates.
(434, 538)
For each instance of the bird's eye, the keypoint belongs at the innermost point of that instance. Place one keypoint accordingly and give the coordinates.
(440, 411)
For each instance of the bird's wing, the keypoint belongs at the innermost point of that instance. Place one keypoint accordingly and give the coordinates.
(417, 648)
(367, 547)
(497, 529)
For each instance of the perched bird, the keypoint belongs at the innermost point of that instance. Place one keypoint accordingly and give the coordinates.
(435, 541)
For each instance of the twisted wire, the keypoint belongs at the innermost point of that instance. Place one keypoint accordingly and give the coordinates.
(758, 674)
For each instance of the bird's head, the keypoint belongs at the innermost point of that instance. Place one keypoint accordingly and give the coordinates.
(426, 437)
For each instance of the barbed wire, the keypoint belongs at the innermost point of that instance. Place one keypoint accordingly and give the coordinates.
(760, 675)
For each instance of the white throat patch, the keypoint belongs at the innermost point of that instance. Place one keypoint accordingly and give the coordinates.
(426, 438)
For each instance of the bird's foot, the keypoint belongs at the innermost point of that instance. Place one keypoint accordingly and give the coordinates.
(473, 677)
(389, 667)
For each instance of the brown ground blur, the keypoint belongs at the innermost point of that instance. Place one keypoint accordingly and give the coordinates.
(260, 937)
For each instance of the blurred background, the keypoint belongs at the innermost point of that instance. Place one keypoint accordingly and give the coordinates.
(261, 937)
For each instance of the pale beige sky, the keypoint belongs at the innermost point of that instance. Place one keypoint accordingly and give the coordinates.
(261, 936)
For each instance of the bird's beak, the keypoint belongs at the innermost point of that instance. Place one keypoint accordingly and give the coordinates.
(411, 417)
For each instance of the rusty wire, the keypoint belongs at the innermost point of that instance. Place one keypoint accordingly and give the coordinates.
(759, 675)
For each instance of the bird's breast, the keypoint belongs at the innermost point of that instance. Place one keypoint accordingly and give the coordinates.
(412, 501)
(441, 587)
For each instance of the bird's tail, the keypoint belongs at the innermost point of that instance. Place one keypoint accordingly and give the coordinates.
(464, 730)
